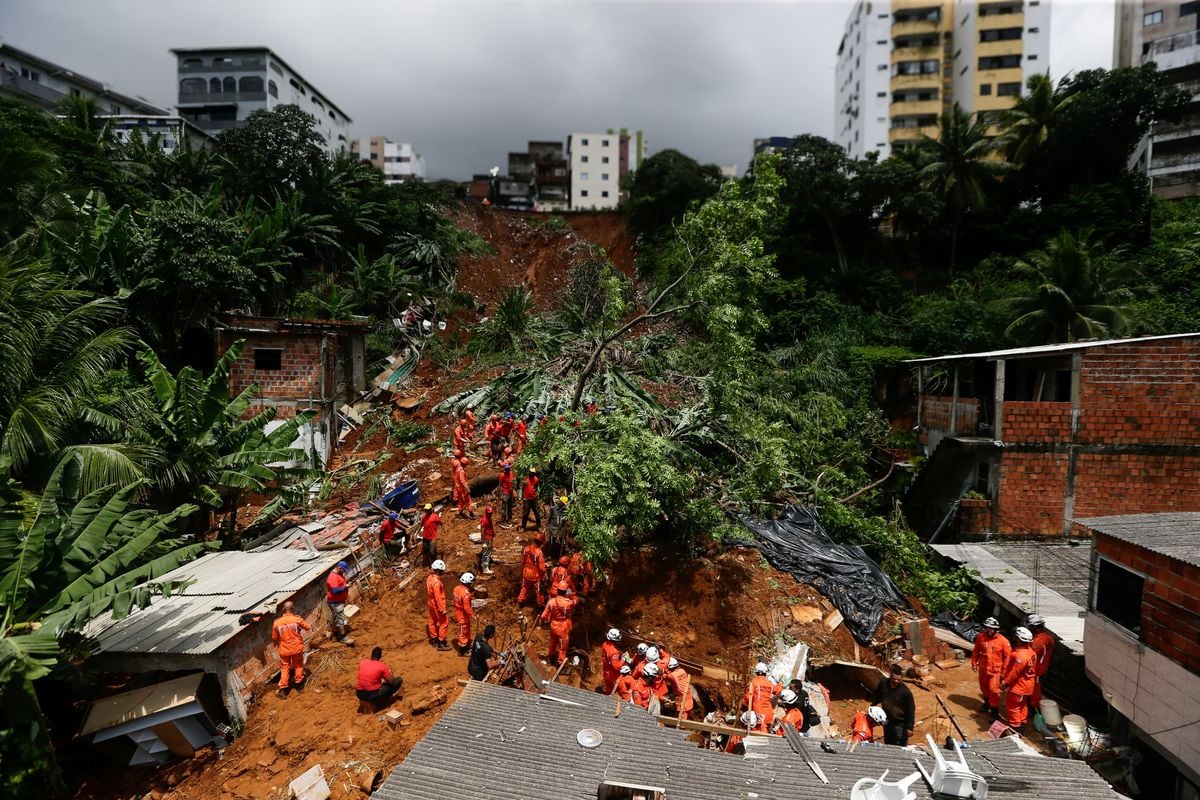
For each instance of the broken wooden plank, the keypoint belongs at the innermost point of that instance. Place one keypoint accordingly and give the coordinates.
(834, 620)
(951, 638)
(805, 614)
(707, 727)
(948, 663)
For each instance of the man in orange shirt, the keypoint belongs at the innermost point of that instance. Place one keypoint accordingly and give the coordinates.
(641, 692)
(529, 500)
(431, 526)
(581, 572)
(864, 721)
(681, 686)
(288, 633)
(759, 696)
(624, 685)
(750, 722)
(506, 494)
(533, 567)
(462, 490)
(1043, 646)
(337, 592)
(988, 658)
(558, 613)
(1020, 678)
(438, 626)
(611, 659)
(375, 682)
(520, 435)
(469, 416)
(464, 612)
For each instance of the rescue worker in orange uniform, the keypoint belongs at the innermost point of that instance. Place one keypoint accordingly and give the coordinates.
(464, 612)
(533, 567)
(462, 490)
(793, 712)
(560, 578)
(431, 526)
(581, 574)
(469, 416)
(487, 535)
(1043, 645)
(288, 634)
(750, 722)
(491, 432)
(641, 692)
(506, 495)
(663, 660)
(558, 613)
(462, 437)
(1020, 678)
(438, 626)
(639, 659)
(759, 695)
(988, 658)
(681, 687)
(659, 688)
(611, 659)
(520, 435)
(864, 722)
(624, 685)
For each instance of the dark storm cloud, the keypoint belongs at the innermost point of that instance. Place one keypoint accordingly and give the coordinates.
(467, 82)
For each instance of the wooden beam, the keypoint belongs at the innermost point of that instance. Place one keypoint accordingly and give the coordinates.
(707, 727)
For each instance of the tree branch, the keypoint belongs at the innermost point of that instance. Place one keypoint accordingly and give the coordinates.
(850, 497)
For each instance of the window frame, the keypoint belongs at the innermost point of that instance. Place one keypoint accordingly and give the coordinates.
(1152, 18)
(258, 364)
(1094, 595)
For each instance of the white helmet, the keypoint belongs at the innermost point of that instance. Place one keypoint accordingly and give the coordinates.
(467, 578)
(1034, 620)
(992, 624)
(652, 654)
(625, 670)
(877, 715)
(1024, 634)
(439, 564)
(651, 669)
(672, 663)
(614, 635)
(749, 719)
(787, 696)
(642, 648)
(761, 668)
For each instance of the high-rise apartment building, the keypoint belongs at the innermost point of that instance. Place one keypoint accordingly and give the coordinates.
(1168, 34)
(598, 162)
(396, 160)
(219, 87)
(902, 63)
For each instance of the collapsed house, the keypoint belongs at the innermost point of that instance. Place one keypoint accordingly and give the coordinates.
(498, 742)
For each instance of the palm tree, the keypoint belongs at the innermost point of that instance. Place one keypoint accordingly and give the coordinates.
(1074, 293)
(961, 167)
(1030, 121)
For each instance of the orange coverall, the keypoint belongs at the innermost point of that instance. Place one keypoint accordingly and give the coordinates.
(581, 574)
(612, 663)
(1043, 646)
(1020, 678)
(461, 437)
(439, 623)
(664, 658)
(681, 685)
(641, 693)
(862, 727)
(758, 699)
(624, 688)
(522, 435)
(989, 657)
(560, 580)
(286, 631)
(462, 491)
(463, 613)
(469, 416)
(532, 569)
(793, 716)
(558, 614)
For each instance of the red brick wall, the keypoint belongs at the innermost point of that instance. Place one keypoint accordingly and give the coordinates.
(935, 413)
(300, 373)
(1032, 487)
(1028, 421)
(1170, 599)
(974, 516)
(1141, 394)
(1132, 483)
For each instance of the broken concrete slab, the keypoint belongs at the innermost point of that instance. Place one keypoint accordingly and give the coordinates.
(310, 786)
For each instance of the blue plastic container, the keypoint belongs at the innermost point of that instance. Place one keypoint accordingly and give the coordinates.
(404, 496)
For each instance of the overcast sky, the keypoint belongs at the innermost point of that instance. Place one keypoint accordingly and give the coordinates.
(466, 82)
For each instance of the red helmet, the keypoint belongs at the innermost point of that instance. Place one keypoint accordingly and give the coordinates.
(565, 561)
(540, 538)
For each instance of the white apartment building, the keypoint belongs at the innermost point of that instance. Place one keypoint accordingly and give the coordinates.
(43, 83)
(1167, 34)
(398, 161)
(903, 63)
(219, 87)
(597, 162)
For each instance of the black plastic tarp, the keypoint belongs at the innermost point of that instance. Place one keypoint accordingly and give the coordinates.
(857, 586)
(966, 628)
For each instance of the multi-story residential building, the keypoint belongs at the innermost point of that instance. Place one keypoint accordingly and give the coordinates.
(598, 162)
(550, 176)
(1142, 643)
(170, 132)
(903, 63)
(1167, 34)
(396, 160)
(45, 84)
(219, 87)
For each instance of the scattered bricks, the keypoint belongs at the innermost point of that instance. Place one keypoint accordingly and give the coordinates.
(392, 718)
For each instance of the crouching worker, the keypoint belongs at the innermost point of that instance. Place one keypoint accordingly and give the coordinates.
(864, 722)
(376, 685)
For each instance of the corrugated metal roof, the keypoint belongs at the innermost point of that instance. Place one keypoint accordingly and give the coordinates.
(1175, 535)
(1050, 349)
(505, 744)
(207, 614)
(138, 703)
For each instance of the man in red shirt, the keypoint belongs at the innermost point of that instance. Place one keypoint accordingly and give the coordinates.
(387, 535)
(529, 500)
(431, 526)
(439, 622)
(337, 591)
(376, 684)
(533, 567)
(506, 426)
(487, 534)
(464, 612)
(288, 634)
(506, 494)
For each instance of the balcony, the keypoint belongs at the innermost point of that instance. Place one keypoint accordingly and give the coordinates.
(30, 89)
(905, 108)
(1174, 164)
(925, 26)
(213, 126)
(916, 54)
(993, 21)
(1007, 47)
(1172, 52)
(946, 414)
(220, 98)
(930, 80)
(1176, 131)
(903, 135)
(220, 69)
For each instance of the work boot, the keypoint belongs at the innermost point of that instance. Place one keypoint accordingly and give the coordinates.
(346, 640)
(443, 645)
(985, 708)
(282, 691)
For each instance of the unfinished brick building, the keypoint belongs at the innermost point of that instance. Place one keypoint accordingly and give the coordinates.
(1025, 440)
(298, 365)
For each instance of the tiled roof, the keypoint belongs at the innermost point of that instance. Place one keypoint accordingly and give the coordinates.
(504, 744)
(1175, 535)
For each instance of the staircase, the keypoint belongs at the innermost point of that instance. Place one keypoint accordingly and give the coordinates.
(939, 486)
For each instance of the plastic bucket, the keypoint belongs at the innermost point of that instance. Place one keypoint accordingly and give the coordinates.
(1050, 713)
(1076, 731)
(1099, 740)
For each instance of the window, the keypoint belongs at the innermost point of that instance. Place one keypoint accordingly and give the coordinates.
(1119, 595)
(999, 62)
(1000, 35)
(1152, 18)
(584, 159)
(881, 94)
(113, 108)
(604, 142)
(1033, 30)
(270, 359)
(250, 84)
(604, 193)
(1187, 9)
(275, 68)
(985, 88)
(251, 61)
(31, 75)
(272, 89)
(928, 67)
(214, 85)
(193, 86)
(583, 176)
(374, 155)
(229, 85)
(583, 142)
(296, 85)
(603, 159)
(193, 62)
(222, 61)
(881, 41)
(1009, 89)
(1031, 57)
(317, 102)
(583, 193)
(603, 176)
(75, 92)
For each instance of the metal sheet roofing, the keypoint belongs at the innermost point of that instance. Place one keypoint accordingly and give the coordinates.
(505, 744)
(1175, 535)
(208, 613)
(1050, 349)
(138, 703)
